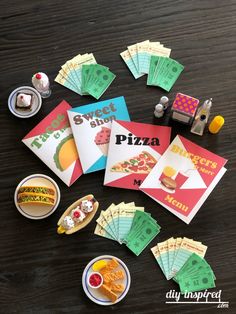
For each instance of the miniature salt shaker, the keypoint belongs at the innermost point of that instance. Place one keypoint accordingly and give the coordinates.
(159, 111)
(41, 82)
(164, 101)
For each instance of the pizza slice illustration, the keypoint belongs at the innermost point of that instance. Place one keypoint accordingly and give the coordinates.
(142, 163)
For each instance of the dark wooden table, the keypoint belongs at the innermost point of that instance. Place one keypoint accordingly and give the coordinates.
(41, 271)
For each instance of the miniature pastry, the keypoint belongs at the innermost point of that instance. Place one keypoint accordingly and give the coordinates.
(24, 101)
(106, 290)
(115, 287)
(102, 140)
(41, 82)
(110, 266)
(86, 206)
(112, 276)
(77, 215)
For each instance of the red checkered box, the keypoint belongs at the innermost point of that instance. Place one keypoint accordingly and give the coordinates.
(184, 108)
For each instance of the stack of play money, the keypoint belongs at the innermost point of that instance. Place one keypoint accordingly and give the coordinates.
(163, 72)
(182, 260)
(84, 76)
(152, 58)
(128, 224)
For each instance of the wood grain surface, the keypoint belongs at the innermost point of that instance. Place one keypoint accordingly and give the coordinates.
(40, 271)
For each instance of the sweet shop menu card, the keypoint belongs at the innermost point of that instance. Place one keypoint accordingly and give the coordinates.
(91, 127)
(134, 150)
(184, 177)
(52, 141)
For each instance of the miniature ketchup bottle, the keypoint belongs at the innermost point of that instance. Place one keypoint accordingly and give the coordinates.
(216, 124)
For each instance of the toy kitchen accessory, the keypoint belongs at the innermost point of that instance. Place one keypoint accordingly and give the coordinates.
(184, 108)
(78, 215)
(201, 117)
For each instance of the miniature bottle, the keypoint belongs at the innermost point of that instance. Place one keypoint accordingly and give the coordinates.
(40, 81)
(201, 117)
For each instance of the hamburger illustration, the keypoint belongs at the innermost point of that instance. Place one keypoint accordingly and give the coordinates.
(66, 153)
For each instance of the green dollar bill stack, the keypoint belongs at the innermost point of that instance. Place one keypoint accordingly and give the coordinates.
(195, 275)
(182, 260)
(84, 76)
(163, 72)
(127, 224)
(96, 79)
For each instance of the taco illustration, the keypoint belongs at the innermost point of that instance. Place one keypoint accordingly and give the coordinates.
(66, 153)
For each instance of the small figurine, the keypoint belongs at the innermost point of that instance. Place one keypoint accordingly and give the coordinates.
(184, 108)
(201, 117)
(216, 124)
(41, 82)
(159, 111)
(78, 215)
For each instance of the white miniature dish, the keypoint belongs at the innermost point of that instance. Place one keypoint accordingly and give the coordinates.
(38, 211)
(95, 295)
(95, 273)
(36, 102)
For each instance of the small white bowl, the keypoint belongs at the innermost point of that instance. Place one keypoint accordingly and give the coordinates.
(38, 211)
(36, 102)
(94, 273)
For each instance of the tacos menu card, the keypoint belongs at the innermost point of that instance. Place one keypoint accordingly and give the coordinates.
(91, 127)
(52, 141)
(184, 177)
(134, 150)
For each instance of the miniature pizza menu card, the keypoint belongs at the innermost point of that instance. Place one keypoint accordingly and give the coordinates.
(91, 127)
(52, 141)
(184, 177)
(134, 150)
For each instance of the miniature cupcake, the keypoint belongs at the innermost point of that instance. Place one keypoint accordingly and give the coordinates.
(86, 206)
(24, 101)
(77, 215)
(102, 140)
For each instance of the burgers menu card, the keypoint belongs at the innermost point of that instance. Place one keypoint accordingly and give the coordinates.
(184, 177)
(91, 127)
(52, 141)
(134, 150)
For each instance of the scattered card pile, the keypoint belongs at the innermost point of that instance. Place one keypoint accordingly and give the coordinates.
(152, 58)
(84, 76)
(182, 259)
(128, 224)
(163, 72)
